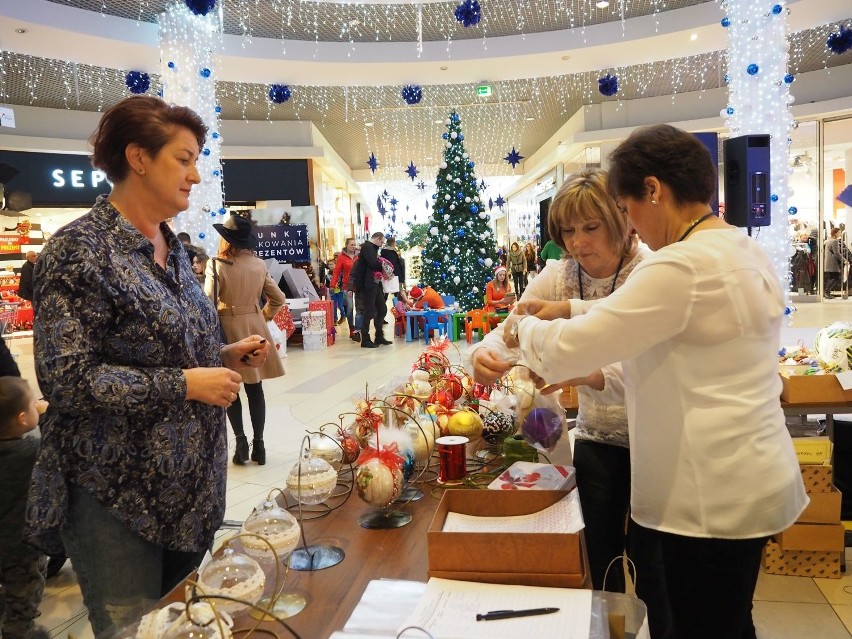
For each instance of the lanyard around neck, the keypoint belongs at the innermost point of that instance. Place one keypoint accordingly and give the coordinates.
(614, 277)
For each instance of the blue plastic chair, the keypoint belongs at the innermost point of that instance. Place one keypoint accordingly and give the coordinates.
(449, 300)
(431, 322)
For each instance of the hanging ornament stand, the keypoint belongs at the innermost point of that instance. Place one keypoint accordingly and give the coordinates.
(314, 556)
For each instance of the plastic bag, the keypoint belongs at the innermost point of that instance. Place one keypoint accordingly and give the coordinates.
(279, 339)
(541, 417)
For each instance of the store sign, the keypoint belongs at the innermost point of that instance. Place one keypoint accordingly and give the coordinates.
(77, 179)
(283, 242)
(544, 185)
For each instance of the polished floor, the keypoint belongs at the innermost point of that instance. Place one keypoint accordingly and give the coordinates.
(320, 385)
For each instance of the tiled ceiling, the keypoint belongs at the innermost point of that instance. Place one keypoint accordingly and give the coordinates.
(522, 114)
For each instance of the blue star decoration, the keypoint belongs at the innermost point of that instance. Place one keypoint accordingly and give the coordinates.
(393, 203)
(482, 185)
(412, 171)
(514, 158)
(422, 186)
(500, 201)
(373, 163)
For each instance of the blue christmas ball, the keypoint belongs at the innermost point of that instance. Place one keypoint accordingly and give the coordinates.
(205, 72)
(471, 164)
(788, 311)
(461, 137)
(222, 211)
(216, 173)
(215, 135)
(459, 195)
(481, 261)
(752, 69)
(206, 152)
(776, 9)
(171, 65)
(773, 197)
(455, 117)
(726, 78)
(423, 252)
(217, 109)
(159, 93)
(445, 135)
(212, 213)
(726, 22)
(434, 196)
(788, 79)
(729, 110)
(201, 236)
(460, 233)
(436, 263)
(792, 210)
(474, 208)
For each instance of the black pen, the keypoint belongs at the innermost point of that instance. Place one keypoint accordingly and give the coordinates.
(510, 614)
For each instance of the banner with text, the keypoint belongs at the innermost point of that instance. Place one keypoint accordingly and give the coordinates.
(283, 242)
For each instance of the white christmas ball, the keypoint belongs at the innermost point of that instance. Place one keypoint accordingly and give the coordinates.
(467, 199)
(433, 230)
(833, 345)
(448, 144)
(447, 196)
(452, 208)
(456, 279)
(457, 181)
(483, 215)
(447, 122)
(475, 289)
(458, 159)
(447, 216)
(482, 250)
(454, 135)
(453, 266)
(464, 155)
(443, 165)
(456, 250)
(488, 262)
(445, 238)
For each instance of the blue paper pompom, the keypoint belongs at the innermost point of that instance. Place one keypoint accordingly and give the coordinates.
(841, 41)
(200, 7)
(137, 81)
(412, 94)
(608, 85)
(279, 93)
(469, 13)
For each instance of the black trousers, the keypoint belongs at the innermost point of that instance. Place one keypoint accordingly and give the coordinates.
(709, 584)
(257, 411)
(519, 282)
(603, 483)
(374, 311)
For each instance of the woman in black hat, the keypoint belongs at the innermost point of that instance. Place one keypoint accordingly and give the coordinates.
(235, 282)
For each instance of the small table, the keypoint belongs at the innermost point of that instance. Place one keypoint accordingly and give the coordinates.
(412, 325)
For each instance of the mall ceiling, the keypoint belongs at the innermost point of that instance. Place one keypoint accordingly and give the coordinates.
(358, 120)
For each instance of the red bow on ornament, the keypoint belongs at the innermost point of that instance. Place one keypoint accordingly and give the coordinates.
(388, 456)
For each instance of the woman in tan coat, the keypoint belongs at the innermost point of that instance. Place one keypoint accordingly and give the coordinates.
(235, 281)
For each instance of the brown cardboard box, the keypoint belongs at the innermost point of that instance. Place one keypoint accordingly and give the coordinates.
(812, 389)
(823, 509)
(535, 559)
(801, 563)
(812, 537)
(817, 478)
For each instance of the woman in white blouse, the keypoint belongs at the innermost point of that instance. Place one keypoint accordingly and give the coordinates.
(696, 327)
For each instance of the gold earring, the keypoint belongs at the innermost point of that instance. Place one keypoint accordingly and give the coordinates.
(654, 202)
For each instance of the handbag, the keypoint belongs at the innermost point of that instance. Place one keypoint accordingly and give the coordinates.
(391, 285)
(279, 339)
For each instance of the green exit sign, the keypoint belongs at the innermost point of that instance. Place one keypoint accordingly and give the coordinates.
(484, 90)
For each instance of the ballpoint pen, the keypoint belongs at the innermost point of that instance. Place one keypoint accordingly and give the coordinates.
(510, 614)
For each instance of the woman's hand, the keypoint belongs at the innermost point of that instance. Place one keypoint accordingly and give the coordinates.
(488, 367)
(544, 309)
(213, 386)
(251, 351)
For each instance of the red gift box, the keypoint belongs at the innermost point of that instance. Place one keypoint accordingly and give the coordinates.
(323, 305)
(284, 320)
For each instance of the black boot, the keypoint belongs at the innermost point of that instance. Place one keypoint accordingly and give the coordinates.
(366, 342)
(258, 452)
(241, 451)
(381, 341)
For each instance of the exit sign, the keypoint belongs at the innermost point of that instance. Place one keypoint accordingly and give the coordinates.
(484, 90)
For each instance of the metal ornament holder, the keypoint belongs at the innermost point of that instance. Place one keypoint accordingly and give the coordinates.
(315, 556)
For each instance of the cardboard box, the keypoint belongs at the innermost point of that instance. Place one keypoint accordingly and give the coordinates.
(823, 509)
(812, 389)
(535, 559)
(812, 537)
(817, 479)
(812, 450)
(801, 563)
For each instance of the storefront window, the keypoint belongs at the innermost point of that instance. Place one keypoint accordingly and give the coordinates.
(837, 177)
(805, 238)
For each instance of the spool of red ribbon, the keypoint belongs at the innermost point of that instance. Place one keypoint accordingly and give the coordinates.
(451, 458)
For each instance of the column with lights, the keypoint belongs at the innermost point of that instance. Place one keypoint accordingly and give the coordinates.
(188, 42)
(459, 256)
(759, 102)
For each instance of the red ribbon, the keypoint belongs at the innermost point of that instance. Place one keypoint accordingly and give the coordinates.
(388, 456)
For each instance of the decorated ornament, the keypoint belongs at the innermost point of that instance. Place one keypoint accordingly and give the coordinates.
(379, 481)
(312, 480)
(496, 426)
(137, 82)
(350, 447)
(442, 398)
(233, 575)
(466, 423)
(833, 345)
(542, 428)
(412, 94)
(276, 525)
(327, 448)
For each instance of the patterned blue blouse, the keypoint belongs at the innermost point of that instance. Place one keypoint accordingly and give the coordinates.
(112, 332)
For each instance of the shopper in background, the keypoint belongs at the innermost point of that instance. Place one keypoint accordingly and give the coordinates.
(133, 459)
(425, 298)
(551, 251)
(25, 286)
(340, 280)
(833, 262)
(22, 568)
(235, 285)
(367, 276)
(517, 265)
(498, 292)
(696, 327)
(601, 251)
(530, 257)
(199, 266)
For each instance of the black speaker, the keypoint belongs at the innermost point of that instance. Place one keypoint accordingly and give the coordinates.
(747, 196)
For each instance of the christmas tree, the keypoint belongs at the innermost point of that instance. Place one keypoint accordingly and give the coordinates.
(459, 256)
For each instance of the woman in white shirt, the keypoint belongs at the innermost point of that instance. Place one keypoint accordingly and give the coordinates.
(600, 252)
(697, 328)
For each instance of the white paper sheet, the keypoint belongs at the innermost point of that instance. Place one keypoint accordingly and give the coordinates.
(565, 516)
(448, 610)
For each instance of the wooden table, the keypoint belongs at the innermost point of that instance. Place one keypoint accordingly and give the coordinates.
(334, 592)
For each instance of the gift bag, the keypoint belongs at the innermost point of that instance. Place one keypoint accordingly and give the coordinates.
(391, 286)
(279, 339)
(284, 320)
